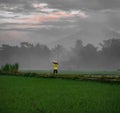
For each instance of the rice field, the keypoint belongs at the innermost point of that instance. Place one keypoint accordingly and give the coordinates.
(53, 95)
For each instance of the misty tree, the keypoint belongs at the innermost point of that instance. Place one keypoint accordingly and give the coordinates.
(26, 45)
(36, 55)
(110, 53)
(5, 53)
(43, 50)
(84, 56)
(81, 56)
(74, 56)
(27, 54)
(111, 47)
(57, 51)
(78, 46)
(89, 56)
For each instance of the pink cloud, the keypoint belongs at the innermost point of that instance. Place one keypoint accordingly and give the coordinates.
(46, 17)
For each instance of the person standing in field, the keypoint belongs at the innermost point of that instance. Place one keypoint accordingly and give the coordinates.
(55, 67)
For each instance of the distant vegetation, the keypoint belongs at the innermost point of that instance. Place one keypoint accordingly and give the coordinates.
(9, 68)
(79, 57)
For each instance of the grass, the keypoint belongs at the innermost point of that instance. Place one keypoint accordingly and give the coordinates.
(48, 95)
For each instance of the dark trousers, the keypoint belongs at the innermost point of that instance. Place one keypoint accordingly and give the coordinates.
(55, 71)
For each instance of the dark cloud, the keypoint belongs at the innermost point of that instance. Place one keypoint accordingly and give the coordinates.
(114, 19)
(84, 4)
(13, 1)
(69, 4)
(17, 6)
(109, 4)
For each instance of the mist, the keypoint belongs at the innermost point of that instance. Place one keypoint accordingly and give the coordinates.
(79, 57)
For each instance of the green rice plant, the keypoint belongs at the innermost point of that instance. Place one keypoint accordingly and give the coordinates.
(41, 95)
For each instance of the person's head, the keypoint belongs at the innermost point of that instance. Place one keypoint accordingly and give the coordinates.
(55, 62)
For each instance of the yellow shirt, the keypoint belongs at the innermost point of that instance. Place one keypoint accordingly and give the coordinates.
(55, 66)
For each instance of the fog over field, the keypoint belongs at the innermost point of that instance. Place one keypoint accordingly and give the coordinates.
(80, 34)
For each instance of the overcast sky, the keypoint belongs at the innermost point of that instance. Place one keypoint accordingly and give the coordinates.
(49, 21)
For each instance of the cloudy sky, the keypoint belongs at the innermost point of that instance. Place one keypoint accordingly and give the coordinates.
(51, 21)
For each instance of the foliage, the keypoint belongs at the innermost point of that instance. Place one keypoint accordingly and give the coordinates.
(10, 68)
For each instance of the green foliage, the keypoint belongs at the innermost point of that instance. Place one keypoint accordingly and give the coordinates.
(10, 68)
(33, 95)
(16, 67)
(6, 68)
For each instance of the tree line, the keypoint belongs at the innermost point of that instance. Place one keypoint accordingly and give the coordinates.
(79, 57)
